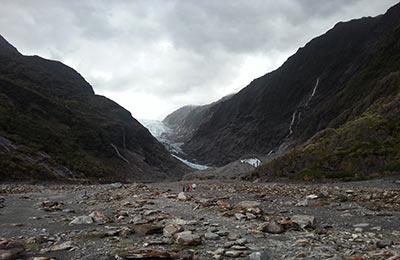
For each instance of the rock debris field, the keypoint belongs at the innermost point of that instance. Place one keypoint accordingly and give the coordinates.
(219, 220)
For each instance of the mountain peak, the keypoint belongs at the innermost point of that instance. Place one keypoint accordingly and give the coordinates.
(6, 47)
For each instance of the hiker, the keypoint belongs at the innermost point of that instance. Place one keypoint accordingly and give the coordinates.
(194, 185)
(190, 187)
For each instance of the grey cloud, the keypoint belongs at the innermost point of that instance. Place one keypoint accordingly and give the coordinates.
(180, 51)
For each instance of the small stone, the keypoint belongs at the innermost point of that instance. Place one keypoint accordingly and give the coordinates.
(181, 222)
(302, 242)
(211, 236)
(259, 256)
(250, 216)
(187, 238)
(136, 253)
(99, 217)
(247, 204)
(241, 241)
(67, 211)
(233, 253)
(312, 196)
(148, 229)
(116, 185)
(63, 246)
(359, 230)
(273, 227)
(223, 233)
(302, 203)
(240, 216)
(82, 220)
(234, 236)
(182, 196)
(361, 225)
(239, 247)
(223, 204)
(384, 243)
(171, 229)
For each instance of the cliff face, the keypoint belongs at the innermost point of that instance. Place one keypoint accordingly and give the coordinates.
(333, 79)
(53, 126)
(186, 120)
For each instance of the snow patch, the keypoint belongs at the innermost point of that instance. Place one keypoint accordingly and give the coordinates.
(253, 162)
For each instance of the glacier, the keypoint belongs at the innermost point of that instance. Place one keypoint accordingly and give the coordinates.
(160, 131)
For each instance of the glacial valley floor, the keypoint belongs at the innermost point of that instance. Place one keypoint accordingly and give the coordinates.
(219, 220)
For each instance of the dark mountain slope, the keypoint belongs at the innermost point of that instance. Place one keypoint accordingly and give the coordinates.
(186, 120)
(53, 126)
(318, 87)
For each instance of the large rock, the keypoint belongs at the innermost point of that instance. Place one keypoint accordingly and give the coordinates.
(10, 249)
(303, 220)
(148, 229)
(187, 238)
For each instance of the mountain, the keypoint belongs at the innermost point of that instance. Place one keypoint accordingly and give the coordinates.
(186, 120)
(54, 127)
(336, 101)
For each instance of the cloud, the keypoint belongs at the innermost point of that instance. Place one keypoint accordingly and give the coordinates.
(156, 55)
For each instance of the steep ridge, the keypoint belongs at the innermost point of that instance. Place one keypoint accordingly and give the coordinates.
(186, 120)
(53, 127)
(330, 81)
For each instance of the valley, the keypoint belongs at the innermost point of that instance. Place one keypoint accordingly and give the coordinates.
(219, 220)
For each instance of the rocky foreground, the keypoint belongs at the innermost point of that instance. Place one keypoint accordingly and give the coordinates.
(351, 221)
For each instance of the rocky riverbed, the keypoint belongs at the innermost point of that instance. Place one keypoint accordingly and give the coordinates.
(219, 220)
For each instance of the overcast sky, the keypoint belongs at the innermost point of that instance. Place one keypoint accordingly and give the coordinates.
(154, 56)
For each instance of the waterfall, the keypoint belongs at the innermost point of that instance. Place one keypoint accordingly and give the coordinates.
(298, 110)
(119, 154)
(313, 92)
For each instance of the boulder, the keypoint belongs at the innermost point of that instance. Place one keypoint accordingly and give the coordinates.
(10, 249)
(303, 220)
